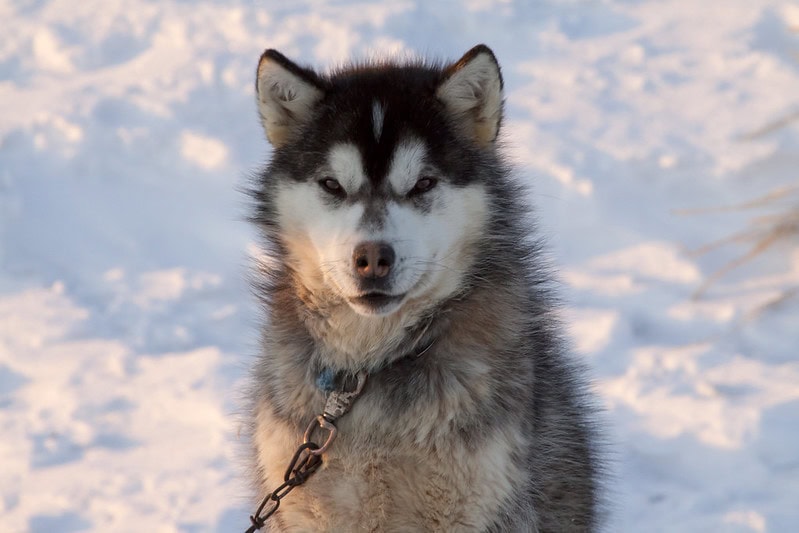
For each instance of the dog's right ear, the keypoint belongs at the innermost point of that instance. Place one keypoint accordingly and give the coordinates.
(287, 93)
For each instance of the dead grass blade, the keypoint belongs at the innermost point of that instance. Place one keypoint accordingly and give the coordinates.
(762, 201)
(771, 127)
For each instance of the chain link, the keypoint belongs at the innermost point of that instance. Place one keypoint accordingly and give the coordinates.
(302, 465)
(308, 457)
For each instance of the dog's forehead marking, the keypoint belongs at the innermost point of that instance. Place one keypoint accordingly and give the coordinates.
(378, 114)
(407, 163)
(346, 163)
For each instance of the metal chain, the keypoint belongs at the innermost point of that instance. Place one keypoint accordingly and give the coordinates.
(308, 457)
(302, 465)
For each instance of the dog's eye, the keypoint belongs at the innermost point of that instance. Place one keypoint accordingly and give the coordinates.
(331, 186)
(422, 185)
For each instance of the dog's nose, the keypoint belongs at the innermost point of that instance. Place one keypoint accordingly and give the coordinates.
(373, 259)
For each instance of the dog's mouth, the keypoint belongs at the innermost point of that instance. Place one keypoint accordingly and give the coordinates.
(377, 302)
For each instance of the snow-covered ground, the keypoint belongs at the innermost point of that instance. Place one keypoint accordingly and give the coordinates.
(126, 326)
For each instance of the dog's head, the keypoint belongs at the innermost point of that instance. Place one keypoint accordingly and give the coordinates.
(377, 183)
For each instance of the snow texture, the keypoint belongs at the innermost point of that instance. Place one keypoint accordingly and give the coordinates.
(126, 327)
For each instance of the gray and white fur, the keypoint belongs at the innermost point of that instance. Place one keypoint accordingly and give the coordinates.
(398, 245)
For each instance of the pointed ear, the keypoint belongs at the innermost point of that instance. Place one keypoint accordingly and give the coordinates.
(472, 92)
(287, 93)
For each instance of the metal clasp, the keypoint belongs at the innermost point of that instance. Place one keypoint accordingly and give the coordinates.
(337, 405)
(340, 402)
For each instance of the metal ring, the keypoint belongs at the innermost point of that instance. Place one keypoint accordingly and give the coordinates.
(323, 423)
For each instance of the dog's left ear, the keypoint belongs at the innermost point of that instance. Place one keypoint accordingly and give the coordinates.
(472, 92)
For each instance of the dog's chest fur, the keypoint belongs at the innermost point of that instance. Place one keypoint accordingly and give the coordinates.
(430, 445)
(398, 486)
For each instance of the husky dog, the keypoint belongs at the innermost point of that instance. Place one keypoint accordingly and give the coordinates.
(398, 248)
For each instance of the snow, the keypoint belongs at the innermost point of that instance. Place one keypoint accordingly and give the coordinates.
(126, 325)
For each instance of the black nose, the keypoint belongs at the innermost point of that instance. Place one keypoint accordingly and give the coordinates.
(373, 259)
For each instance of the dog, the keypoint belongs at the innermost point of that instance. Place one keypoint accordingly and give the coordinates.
(399, 253)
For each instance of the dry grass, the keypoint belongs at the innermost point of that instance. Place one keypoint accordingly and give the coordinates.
(771, 127)
(763, 232)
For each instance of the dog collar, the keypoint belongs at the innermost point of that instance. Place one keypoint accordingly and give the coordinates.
(329, 380)
(326, 380)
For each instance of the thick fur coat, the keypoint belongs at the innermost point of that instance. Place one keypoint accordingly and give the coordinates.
(472, 418)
